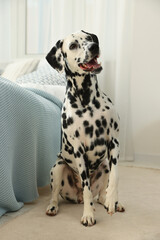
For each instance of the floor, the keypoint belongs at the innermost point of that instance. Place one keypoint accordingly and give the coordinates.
(139, 191)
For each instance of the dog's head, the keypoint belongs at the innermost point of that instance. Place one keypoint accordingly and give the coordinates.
(78, 52)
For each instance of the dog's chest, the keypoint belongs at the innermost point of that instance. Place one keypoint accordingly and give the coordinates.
(84, 123)
(85, 132)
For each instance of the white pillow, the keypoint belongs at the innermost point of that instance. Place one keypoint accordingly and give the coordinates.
(19, 68)
(44, 75)
(56, 90)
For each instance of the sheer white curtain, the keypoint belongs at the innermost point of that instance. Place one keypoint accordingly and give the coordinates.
(111, 20)
(5, 33)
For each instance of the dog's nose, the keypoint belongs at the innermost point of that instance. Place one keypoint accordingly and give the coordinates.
(94, 48)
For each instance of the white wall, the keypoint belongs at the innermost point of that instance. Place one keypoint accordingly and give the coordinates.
(145, 79)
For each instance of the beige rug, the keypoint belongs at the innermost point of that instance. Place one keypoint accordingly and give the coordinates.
(139, 191)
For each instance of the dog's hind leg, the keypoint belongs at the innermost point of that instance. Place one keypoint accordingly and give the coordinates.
(56, 181)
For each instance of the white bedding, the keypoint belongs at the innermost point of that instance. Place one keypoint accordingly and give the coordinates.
(55, 90)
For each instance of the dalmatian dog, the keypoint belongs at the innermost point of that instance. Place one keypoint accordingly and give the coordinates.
(87, 163)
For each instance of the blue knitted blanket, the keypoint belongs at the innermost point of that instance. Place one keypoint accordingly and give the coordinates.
(30, 132)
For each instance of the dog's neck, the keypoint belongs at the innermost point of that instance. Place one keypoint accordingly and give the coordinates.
(82, 89)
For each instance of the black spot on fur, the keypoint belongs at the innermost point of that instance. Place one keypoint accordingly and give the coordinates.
(83, 175)
(89, 130)
(109, 100)
(99, 174)
(78, 154)
(104, 123)
(94, 37)
(101, 130)
(52, 209)
(96, 164)
(89, 38)
(79, 113)
(77, 133)
(100, 154)
(81, 150)
(69, 84)
(64, 116)
(71, 98)
(86, 123)
(111, 145)
(91, 111)
(111, 122)
(97, 133)
(99, 142)
(59, 58)
(74, 105)
(69, 121)
(115, 125)
(70, 151)
(64, 124)
(98, 123)
(70, 180)
(96, 103)
(60, 162)
(87, 82)
(116, 141)
(91, 146)
(85, 99)
(110, 165)
(62, 183)
(68, 160)
(114, 160)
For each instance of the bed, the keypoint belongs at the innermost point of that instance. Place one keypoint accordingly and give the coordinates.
(30, 133)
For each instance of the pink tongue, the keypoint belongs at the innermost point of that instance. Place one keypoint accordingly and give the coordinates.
(92, 63)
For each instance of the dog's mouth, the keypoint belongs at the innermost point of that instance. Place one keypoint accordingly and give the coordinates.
(91, 66)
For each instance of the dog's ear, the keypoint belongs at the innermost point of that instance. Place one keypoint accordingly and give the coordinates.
(94, 37)
(55, 57)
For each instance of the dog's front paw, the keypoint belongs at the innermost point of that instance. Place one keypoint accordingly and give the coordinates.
(111, 201)
(113, 206)
(52, 209)
(88, 220)
(119, 207)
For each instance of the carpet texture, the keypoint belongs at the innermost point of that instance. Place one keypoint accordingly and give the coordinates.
(139, 191)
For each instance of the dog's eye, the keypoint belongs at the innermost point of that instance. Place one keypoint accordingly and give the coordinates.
(73, 46)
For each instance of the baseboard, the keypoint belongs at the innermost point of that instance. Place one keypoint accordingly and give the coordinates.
(142, 160)
(127, 159)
